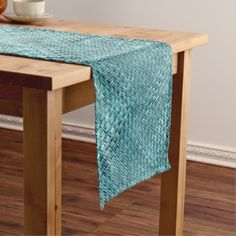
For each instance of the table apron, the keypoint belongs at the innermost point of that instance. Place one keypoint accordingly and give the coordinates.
(74, 96)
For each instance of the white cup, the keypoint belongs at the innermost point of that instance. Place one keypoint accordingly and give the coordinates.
(29, 8)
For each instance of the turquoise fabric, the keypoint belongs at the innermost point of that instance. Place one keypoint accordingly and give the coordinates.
(133, 84)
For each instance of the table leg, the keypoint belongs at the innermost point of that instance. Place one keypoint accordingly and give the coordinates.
(42, 161)
(173, 181)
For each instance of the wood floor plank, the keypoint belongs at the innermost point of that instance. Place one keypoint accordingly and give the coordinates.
(210, 196)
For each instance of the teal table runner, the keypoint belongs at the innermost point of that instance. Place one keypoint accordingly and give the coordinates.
(133, 85)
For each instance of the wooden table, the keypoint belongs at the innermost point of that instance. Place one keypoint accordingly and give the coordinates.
(41, 91)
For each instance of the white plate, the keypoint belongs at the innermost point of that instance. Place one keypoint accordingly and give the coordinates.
(22, 19)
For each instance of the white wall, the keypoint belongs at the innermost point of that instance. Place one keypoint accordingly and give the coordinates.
(213, 89)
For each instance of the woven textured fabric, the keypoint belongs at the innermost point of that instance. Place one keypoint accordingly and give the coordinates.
(133, 85)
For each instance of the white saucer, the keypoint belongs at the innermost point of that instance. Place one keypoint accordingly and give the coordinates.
(22, 19)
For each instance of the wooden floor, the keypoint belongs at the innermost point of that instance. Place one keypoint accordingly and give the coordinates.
(210, 200)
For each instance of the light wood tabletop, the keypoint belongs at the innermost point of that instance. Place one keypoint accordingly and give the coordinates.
(52, 75)
(41, 91)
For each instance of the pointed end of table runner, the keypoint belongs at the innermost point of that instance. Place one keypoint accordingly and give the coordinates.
(105, 197)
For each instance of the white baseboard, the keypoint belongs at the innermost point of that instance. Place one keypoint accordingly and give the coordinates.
(211, 154)
(199, 152)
